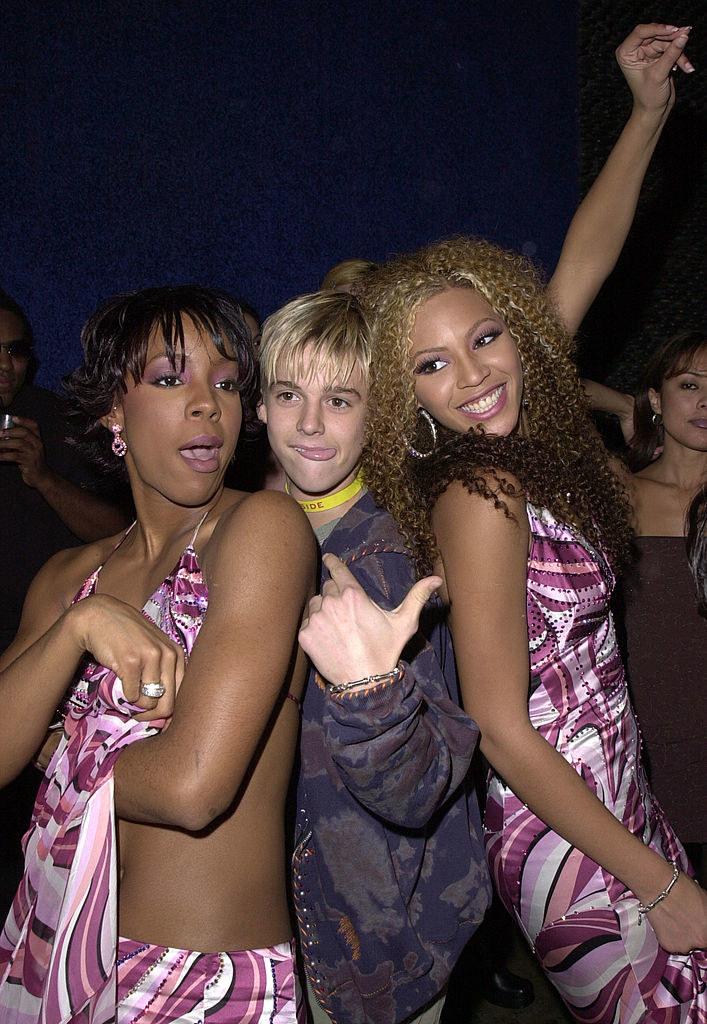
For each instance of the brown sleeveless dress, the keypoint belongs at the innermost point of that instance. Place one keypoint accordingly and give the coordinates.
(667, 669)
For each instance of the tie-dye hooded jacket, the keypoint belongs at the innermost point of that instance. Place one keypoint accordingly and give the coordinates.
(389, 875)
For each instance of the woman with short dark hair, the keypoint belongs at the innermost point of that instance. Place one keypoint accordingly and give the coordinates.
(161, 834)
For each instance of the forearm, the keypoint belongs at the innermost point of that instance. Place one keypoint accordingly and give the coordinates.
(402, 747)
(86, 515)
(147, 785)
(601, 224)
(606, 399)
(557, 794)
(31, 687)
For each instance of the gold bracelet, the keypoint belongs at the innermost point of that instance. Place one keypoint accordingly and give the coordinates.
(661, 896)
(384, 677)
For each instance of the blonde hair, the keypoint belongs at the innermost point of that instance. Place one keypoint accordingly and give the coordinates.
(349, 272)
(326, 332)
(560, 462)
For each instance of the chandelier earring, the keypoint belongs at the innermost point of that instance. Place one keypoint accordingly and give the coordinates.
(118, 445)
(433, 430)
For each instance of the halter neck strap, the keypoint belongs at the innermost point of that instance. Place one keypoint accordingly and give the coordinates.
(198, 527)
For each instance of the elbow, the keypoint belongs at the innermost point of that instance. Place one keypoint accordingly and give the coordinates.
(501, 741)
(193, 805)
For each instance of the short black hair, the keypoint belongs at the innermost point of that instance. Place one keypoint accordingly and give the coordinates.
(115, 340)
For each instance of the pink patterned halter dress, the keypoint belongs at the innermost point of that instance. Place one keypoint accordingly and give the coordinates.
(581, 922)
(58, 947)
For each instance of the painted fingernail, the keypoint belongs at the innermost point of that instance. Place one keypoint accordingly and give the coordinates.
(688, 67)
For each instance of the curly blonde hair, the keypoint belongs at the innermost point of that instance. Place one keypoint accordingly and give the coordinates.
(559, 461)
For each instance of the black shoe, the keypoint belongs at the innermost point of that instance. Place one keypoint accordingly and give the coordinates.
(503, 988)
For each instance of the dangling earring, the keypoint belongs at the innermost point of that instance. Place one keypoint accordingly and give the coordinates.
(431, 424)
(525, 403)
(119, 446)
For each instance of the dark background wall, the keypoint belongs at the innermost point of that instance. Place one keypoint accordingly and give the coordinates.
(251, 146)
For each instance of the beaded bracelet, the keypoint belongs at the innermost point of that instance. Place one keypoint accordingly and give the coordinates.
(385, 677)
(661, 896)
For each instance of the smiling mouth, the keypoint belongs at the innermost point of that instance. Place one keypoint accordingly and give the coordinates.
(484, 404)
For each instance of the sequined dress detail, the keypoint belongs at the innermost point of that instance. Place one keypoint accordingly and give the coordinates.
(58, 947)
(582, 922)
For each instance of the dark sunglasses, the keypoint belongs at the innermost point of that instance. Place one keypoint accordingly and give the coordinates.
(17, 349)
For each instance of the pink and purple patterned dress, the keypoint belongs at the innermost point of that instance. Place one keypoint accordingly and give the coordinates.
(581, 922)
(60, 944)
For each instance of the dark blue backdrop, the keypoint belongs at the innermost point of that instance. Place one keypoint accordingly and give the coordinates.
(251, 146)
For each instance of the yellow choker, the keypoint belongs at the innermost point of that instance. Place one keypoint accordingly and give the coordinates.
(331, 500)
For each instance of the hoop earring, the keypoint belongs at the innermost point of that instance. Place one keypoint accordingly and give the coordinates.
(656, 419)
(119, 446)
(431, 424)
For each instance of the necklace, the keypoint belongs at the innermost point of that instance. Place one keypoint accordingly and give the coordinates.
(330, 500)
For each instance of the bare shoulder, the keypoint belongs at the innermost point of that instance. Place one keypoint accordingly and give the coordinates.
(266, 528)
(264, 512)
(65, 571)
(55, 586)
(502, 499)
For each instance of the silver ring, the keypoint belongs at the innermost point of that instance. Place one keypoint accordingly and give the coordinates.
(152, 690)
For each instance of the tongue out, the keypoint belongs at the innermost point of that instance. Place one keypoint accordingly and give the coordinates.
(199, 454)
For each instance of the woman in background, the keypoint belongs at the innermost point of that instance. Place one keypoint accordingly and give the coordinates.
(666, 635)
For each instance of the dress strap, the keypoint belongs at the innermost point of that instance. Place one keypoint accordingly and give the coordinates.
(295, 700)
(114, 549)
(89, 584)
(198, 527)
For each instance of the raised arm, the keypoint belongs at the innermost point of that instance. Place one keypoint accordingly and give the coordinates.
(485, 555)
(401, 743)
(618, 403)
(259, 566)
(599, 228)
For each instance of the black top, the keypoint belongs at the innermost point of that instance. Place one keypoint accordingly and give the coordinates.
(667, 670)
(30, 530)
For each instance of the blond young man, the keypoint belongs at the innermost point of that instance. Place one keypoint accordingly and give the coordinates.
(389, 877)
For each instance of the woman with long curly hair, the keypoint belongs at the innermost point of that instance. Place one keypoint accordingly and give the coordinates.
(480, 443)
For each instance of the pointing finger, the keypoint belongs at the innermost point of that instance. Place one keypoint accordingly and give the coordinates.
(340, 573)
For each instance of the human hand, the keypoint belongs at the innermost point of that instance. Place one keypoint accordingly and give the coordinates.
(680, 920)
(348, 636)
(129, 644)
(626, 421)
(22, 443)
(646, 58)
